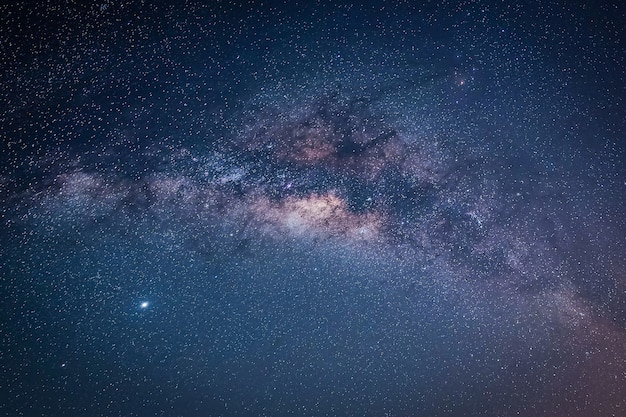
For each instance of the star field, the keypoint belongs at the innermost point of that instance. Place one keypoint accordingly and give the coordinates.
(412, 209)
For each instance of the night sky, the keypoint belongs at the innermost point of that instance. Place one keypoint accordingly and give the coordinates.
(325, 209)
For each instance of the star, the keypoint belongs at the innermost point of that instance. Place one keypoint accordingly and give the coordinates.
(144, 305)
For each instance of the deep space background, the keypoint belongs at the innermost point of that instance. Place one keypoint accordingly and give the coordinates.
(313, 209)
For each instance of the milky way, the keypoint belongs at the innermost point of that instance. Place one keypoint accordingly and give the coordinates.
(224, 211)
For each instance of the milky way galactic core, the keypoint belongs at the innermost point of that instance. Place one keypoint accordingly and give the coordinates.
(341, 210)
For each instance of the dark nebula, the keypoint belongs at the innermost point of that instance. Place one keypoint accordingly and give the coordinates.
(340, 210)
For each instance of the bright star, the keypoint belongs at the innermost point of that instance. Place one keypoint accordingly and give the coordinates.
(145, 304)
